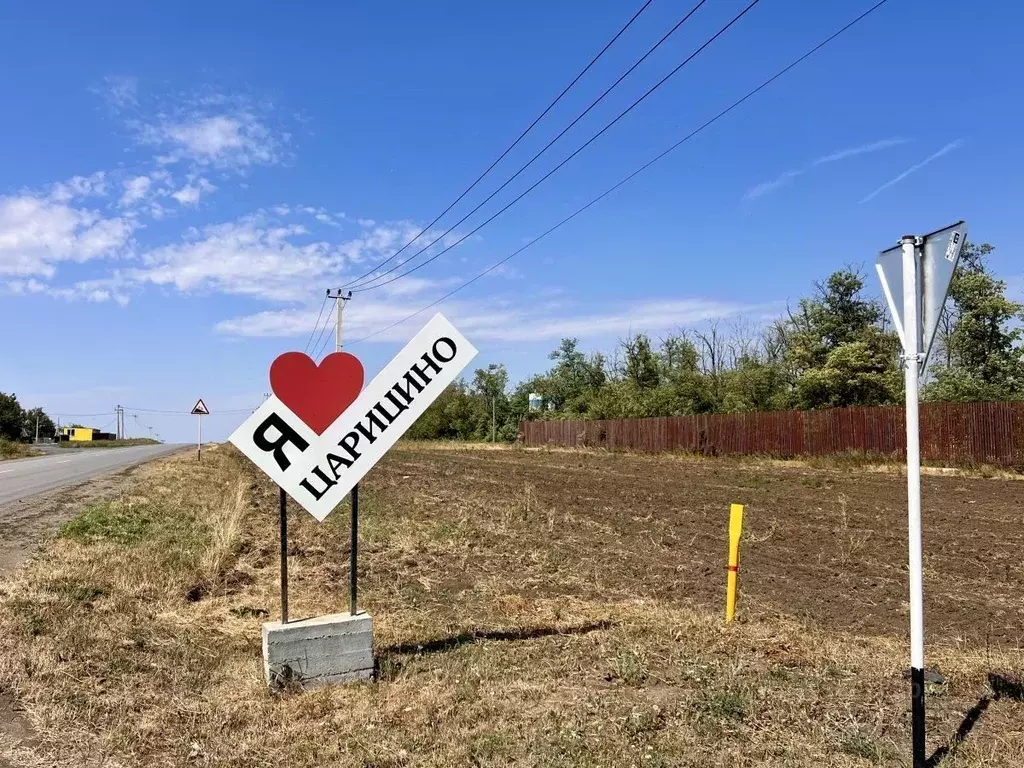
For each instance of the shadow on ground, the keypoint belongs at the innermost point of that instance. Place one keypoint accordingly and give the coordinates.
(389, 659)
(1002, 687)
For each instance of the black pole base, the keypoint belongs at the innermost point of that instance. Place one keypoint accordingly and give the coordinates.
(917, 716)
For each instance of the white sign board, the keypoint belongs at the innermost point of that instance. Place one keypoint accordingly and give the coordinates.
(200, 409)
(937, 257)
(319, 470)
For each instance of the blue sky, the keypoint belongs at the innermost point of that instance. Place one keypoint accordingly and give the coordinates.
(179, 185)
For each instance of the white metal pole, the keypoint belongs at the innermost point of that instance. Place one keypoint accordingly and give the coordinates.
(911, 331)
(199, 442)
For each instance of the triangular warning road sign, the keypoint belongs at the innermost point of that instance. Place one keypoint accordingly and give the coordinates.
(200, 409)
(937, 256)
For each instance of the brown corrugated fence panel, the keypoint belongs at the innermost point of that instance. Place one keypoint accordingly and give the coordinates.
(951, 433)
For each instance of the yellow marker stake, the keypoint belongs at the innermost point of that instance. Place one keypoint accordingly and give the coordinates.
(735, 529)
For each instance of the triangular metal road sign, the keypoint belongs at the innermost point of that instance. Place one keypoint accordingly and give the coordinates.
(937, 256)
(200, 409)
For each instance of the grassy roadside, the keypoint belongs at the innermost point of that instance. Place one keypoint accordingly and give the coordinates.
(108, 443)
(11, 450)
(133, 639)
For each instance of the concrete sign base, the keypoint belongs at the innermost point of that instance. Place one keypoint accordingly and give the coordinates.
(325, 650)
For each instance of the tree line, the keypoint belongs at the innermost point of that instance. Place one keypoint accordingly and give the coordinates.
(19, 425)
(836, 347)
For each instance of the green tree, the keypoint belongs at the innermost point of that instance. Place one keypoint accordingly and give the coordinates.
(491, 400)
(571, 383)
(979, 336)
(12, 417)
(753, 384)
(449, 417)
(836, 350)
(47, 429)
(641, 367)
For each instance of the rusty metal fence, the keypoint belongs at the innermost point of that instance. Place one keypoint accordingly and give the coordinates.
(954, 433)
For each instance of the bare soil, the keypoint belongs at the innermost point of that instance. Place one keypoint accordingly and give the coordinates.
(824, 545)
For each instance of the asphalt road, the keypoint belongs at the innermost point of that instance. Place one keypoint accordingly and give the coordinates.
(22, 478)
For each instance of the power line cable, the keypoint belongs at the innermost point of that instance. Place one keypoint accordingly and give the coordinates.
(634, 174)
(327, 324)
(510, 147)
(76, 415)
(368, 285)
(318, 317)
(550, 173)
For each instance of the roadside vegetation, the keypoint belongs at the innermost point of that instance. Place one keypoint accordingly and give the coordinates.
(18, 425)
(12, 450)
(836, 347)
(530, 608)
(72, 445)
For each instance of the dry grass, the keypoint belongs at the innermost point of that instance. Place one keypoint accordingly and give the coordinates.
(12, 450)
(133, 640)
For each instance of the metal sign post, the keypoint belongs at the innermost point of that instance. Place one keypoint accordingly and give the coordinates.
(200, 410)
(353, 574)
(910, 372)
(284, 555)
(915, 278)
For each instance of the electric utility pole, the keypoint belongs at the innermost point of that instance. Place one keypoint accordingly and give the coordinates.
(339, 299)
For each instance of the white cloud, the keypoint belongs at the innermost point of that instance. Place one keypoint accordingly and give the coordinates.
(119, 91)
(892, 182)
(320, 214)
(93, 291)
(258, 258)
(770, 186)
(37, 232)
(228, 140)
(493, 320)
(134, 190)
(190, 193)
(243, 258)
(649, 315)
(94, 185)
(25, 286)
(863, 149)
(784, 178)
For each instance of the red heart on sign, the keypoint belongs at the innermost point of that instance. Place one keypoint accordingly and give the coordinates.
(317, 394)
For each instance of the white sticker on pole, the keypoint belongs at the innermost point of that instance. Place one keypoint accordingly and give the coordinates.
(319, 434)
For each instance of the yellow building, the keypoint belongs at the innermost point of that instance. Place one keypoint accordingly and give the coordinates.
(84, 435)
(77, 434)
